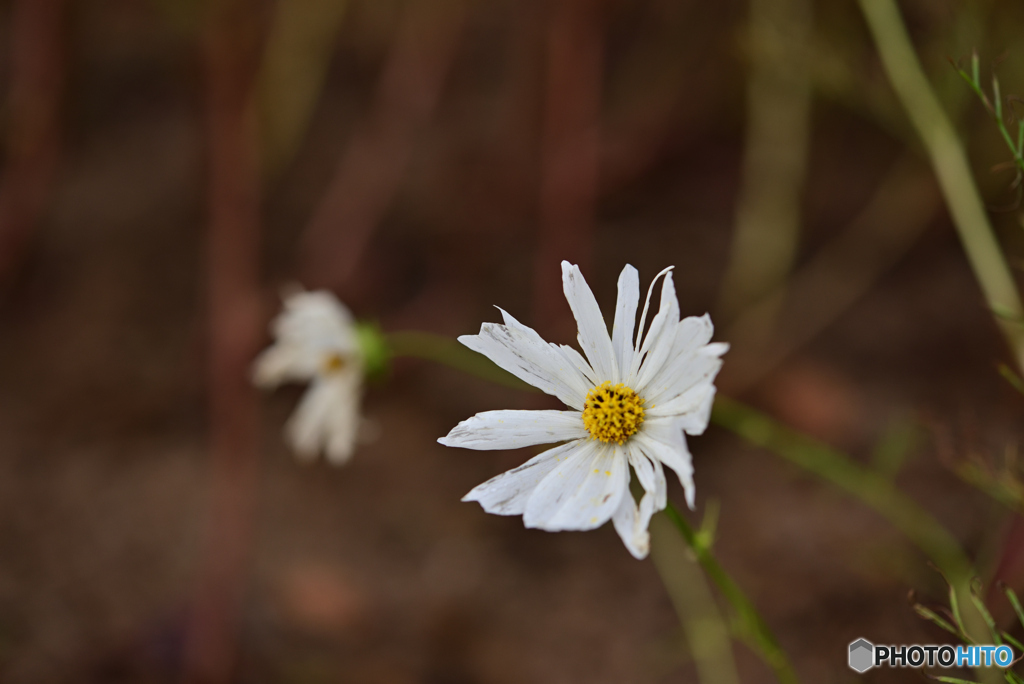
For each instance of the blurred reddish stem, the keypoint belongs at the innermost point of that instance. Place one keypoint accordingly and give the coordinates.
(570, 149)
(372, 167)
(37, 76)
(230, 57)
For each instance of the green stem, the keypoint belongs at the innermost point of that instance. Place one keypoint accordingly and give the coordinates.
(702, 622)
(752, 626)
(444, 350)
(872, 488)
(950, 164)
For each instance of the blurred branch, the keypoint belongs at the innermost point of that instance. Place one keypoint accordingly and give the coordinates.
(570, 148)
(777, 139)
(33, 135)
(871, 488)
(703, 624)
(295, 62)
(229, 51)
(375, 161)
(767, 332)
(951, 167)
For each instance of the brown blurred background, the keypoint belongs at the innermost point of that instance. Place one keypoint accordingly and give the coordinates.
(169, 165)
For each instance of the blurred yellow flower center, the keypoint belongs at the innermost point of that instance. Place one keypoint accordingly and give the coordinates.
(612, 413)
(334, 363)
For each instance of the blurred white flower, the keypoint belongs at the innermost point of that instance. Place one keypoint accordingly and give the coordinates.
(631, 403)
(316, 341)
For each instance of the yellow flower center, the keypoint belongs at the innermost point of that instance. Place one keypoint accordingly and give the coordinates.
(334, 362)
(612, 413)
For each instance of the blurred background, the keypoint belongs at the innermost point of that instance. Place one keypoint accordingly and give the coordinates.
(169, 165)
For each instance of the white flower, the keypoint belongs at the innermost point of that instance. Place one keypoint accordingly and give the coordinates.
(631, 404)
(316, 342)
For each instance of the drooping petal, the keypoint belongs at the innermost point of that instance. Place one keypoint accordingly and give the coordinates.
(593, 331)
(663, 439)
(508, 493)
(581, 492)
(515, 429)
(327, 418)
(522, 352)
(631, 524)
(625, 319)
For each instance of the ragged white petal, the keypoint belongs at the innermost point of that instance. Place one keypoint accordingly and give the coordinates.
(522, 352)
(631, 524)
(625, 319)
(658, 342)
(593, 331)
(508, 493)
(327, 418)
(581, 492)
(663, 439)
(691, 362)
(689, 393)
(515, 429)
(690, 411)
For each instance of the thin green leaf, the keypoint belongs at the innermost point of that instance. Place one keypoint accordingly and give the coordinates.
(1011, 377)
(1013, 642)
(1011, 596)
(983, 609)
(997, 98)
(932, 616)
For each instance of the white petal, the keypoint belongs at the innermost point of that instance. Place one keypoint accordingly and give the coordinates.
(327, 418)
(640, 330)
(691, 410)
(659, 340)
(684, 383)
(311, 327)
(663, 439)
(631, 524)
(515, 429)
(508, 493)
(625, 319)
(593, 331)
(691, 360)
(522, 352)
(582, 492)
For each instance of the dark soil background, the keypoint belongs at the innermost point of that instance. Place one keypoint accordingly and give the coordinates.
(375, 572)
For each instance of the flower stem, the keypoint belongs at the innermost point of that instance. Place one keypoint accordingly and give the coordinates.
(446, 351)
(752, 627)
(702, 622)
(951, 168)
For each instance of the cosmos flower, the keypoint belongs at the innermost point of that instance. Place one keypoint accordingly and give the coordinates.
(316, 341)
(631, 404)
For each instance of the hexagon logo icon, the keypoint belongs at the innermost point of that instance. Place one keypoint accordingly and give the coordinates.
(862, 655)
